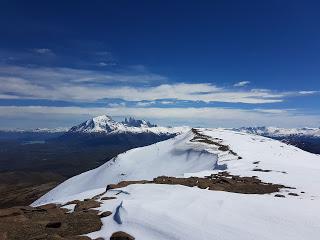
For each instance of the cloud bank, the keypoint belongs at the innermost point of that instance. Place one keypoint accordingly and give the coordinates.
(88, 85)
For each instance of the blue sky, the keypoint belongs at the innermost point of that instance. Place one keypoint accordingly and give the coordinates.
(207, 63)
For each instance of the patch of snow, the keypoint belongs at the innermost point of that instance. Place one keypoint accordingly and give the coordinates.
(70, 207)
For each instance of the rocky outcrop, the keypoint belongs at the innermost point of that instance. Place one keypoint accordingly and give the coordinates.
(49, 222)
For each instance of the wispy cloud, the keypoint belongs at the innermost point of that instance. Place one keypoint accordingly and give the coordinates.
(145, 104)
(241, 84)
(308, 92)
(115, 105)
(42, 50)
(105, 64)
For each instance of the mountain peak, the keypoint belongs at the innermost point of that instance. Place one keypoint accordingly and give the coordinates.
(102, 118)
(132, 122)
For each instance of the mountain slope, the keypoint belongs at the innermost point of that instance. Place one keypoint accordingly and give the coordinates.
(150, 210)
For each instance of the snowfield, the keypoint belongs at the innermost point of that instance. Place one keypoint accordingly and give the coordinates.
(162, 212)
(153, 211)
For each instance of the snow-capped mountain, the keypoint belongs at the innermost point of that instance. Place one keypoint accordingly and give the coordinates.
(156, 209)
(281, 132)
(105, 124)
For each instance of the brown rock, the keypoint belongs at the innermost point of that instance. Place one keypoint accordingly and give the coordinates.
(108, 198)
(85, 205)
(293, 194)
(48, 206)
(105, 214)
(53, 225)
(8, 212)
(121, 236)
(3, 236)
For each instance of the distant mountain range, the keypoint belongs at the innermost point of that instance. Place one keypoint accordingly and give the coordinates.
(307, 139)
(281, 132)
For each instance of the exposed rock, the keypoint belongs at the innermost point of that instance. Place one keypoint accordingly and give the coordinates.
(199, 137)
(86, 204)
(121, 236)
(124, 184)
(10, 212)
(53, 225)
(105, 214)
(280, 195)
(222, 181)
(261, 170)
(293, 194)
(47, 222)
(108, 198)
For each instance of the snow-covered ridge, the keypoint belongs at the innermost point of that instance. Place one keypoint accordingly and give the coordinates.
(186, 156)
(161, 211)
(105, 124)
(281, 132)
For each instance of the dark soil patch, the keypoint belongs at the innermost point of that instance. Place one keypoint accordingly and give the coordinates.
(48, 222)
(222, 181)
(21, 188)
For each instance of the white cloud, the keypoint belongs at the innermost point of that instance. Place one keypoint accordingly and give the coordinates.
(308, 92)
(145, 104)
(210, 117)
(167, 102)
(241, 84)
(113, 105)
(273, 111)
(104, 64)
(43, 50)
